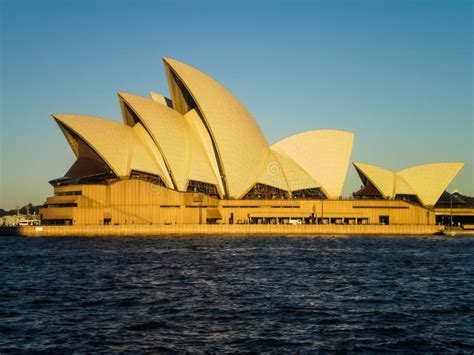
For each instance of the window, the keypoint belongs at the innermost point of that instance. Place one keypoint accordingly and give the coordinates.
(68, 193)
(151, 178)
(314, 193)
(265, 192)
(202, 187)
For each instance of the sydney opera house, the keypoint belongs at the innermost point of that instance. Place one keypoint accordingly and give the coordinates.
(200, 157)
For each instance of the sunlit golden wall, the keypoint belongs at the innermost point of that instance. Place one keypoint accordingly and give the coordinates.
(140, 202)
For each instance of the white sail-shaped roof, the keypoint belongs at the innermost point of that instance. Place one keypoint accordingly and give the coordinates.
(168, 130)
(272, 173)
(115, 143)
(238, 141)
(402, 187)
(427, 181)
(203, 165)
(206, 135)
(182, 140)
(145, 138)
(382, 179)
(323, 154)
(161, 99)
(296, 177)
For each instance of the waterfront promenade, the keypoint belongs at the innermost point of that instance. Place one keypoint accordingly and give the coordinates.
(220, 229)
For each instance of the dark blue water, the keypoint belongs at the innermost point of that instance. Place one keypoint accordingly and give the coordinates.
(272, 294)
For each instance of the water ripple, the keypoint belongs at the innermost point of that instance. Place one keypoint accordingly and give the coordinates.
(202, 294)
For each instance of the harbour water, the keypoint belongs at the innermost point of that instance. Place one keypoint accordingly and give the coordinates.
(227, 294)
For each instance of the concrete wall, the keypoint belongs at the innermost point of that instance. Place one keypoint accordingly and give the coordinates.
(217, 230)
(139, 202)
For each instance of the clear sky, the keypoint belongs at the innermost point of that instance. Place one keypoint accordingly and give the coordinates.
(397, 73)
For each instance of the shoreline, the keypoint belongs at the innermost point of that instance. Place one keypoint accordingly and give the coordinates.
(225, 230)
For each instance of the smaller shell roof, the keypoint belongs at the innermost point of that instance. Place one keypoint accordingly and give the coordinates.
(169, 132)
(115, 143)
(272, 173)
(296, 177)
(381, 178)
(427, 181)
(145, 138)
(323, 154)
(203, 164)
(182, 140)
(161, 99)
(402, 187)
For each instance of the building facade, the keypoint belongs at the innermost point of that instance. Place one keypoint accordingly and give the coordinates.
(200, 157)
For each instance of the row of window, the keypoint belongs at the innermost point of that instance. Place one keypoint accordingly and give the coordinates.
(60, 205)
(68, 193)
(151, 178)
(231, 206)
(176, 206)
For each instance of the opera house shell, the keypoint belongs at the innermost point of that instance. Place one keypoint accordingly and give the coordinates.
(200, 157)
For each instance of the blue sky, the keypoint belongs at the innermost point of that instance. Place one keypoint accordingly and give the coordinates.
(397, 73)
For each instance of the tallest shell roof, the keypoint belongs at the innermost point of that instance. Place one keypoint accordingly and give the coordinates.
(240, 145)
